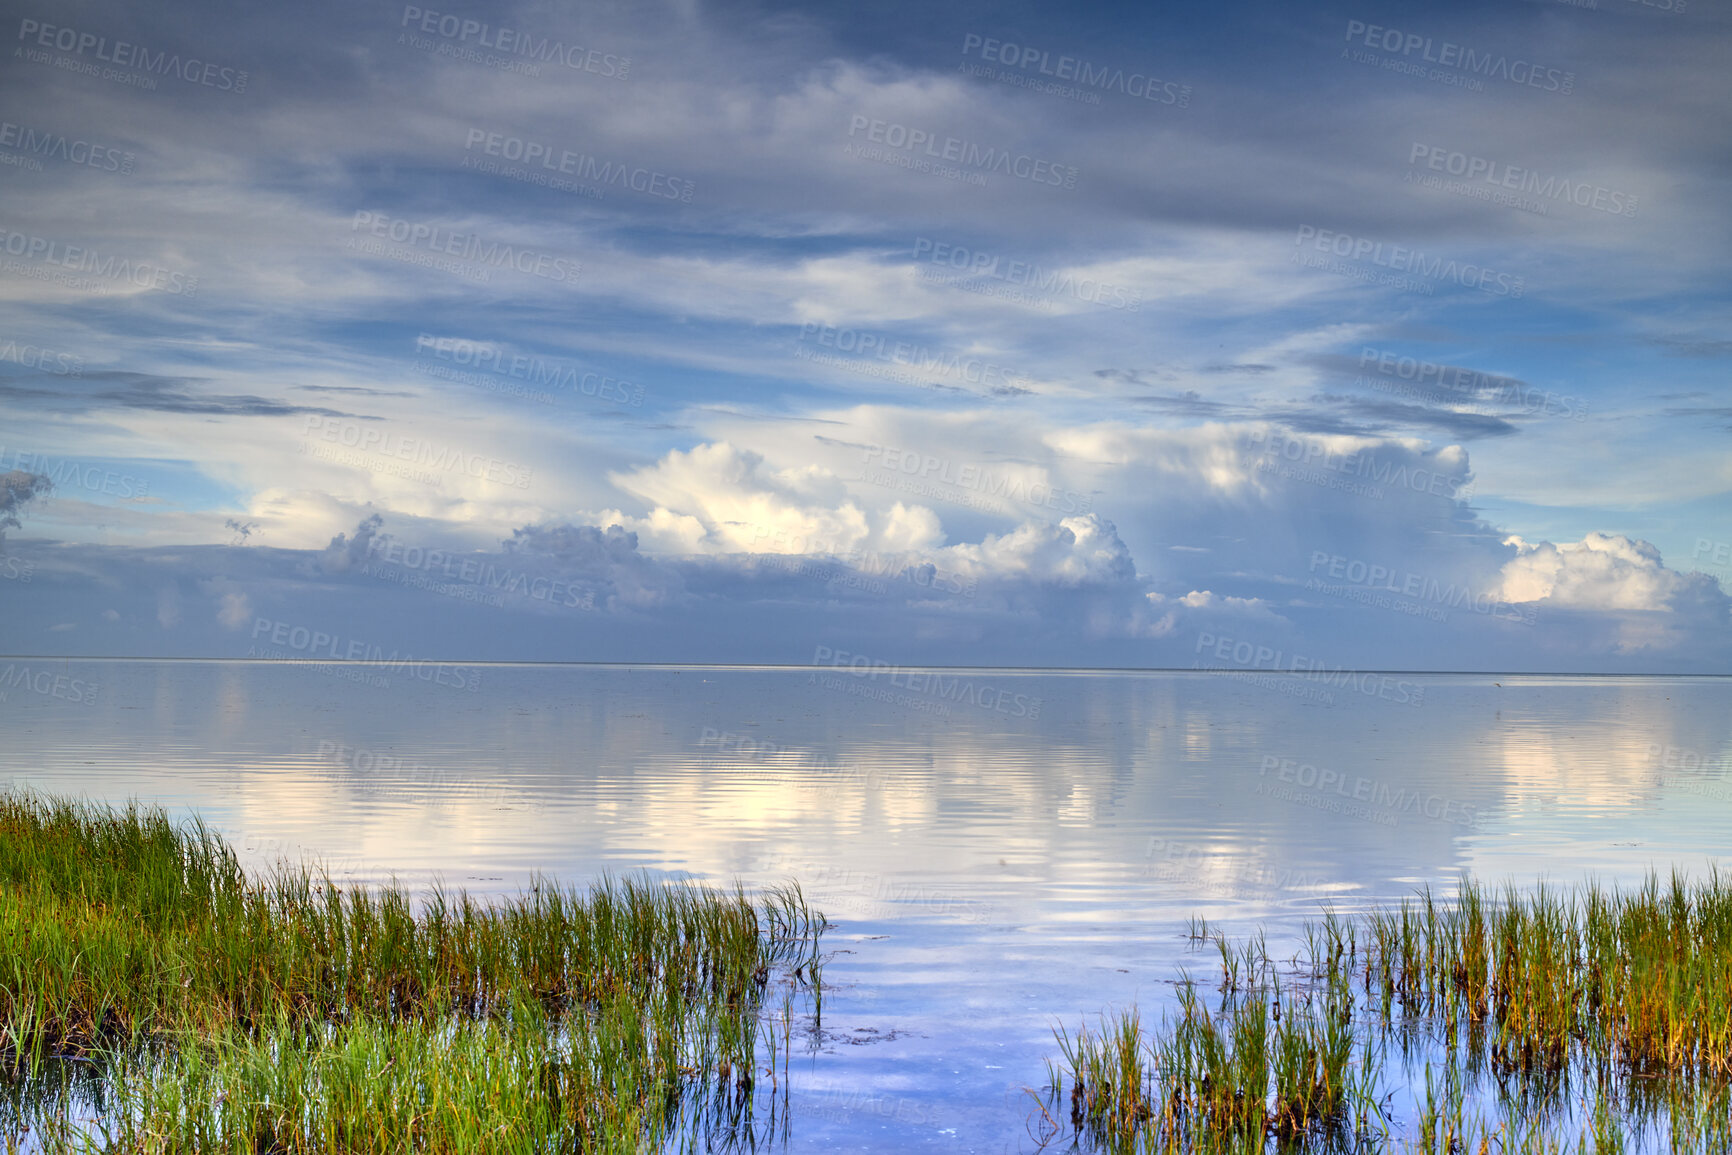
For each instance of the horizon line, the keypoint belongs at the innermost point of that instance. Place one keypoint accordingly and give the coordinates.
(601, 664)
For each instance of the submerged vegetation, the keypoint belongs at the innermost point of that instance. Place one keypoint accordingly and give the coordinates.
(1580, 1020)
(155, 998)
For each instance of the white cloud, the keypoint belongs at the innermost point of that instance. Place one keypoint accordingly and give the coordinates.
(1204, 607)
(1600, 572)
(1627, 581)
(234, 607)
(740, 505)
(168, 606)
(1075, 551)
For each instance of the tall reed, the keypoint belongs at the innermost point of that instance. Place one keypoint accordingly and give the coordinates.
(1583, 1014)
(286, 1013)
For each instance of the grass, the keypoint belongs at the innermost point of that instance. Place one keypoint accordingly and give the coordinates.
(1559, 1020)
(181, 1005)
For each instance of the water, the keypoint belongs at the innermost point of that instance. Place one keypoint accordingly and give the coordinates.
(1000, 850)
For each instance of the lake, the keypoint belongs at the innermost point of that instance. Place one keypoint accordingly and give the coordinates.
(999, 850)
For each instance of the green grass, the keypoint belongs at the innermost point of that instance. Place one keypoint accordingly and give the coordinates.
(1559, 1020)
(212, 1011)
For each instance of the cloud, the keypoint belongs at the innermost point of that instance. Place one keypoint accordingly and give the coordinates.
(345, 551)
(1391, 415)
(607, 558)
(1076, 551)
(1717, 412)
(1080, 502)
(168, 605)
(1204, 608)
(1328, 412)
(19, 488)
(155, 394)
(234, 607)
(1611, 576)
(716, 498)
(1600, 572)
(1703, 347)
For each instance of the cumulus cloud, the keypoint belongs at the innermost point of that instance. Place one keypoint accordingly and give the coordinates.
(1626, 580)
(721, 499)
(607, 558)
(1075, 551)
(1204, 608)
(234, 607)
(1600, 572)
(1239, 454)
(347, 551)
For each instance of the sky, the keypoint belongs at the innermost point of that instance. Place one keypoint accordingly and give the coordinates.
(1253, 336)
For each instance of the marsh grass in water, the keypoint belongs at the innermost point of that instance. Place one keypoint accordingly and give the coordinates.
(1570, 1020)
(154, 997)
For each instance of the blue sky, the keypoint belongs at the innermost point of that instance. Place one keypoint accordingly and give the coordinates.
(1388, 336)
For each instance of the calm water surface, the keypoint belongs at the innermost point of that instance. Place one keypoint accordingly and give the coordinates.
(998, 850)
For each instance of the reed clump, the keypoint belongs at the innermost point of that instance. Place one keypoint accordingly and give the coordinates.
(1270, 1061)
(1640, 982)
(285, 1013)
(1555, 1020)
